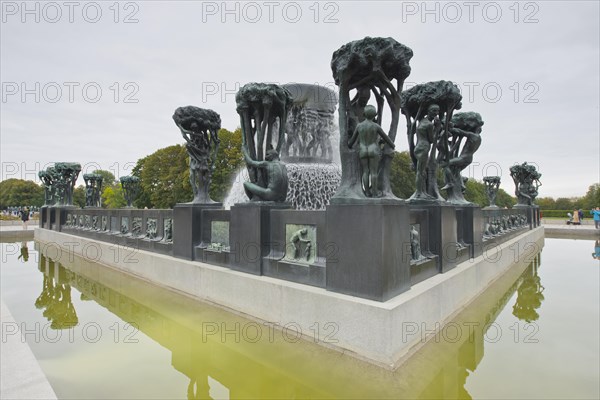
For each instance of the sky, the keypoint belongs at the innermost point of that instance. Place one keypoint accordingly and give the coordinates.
(98, 82)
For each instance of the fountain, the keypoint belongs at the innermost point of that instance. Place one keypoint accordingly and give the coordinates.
(309, 150)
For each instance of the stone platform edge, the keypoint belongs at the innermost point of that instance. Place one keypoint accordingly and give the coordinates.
(366, 329)
(21, 374)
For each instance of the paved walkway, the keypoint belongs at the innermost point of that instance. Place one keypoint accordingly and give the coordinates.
(11, 233)
(21, 376)
(559, 228)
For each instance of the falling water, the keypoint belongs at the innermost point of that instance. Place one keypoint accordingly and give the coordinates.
(310, 187)
(310, 150)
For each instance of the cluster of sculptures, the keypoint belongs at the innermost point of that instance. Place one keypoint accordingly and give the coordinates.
(527, 182)
(309, 124)
(439, 139)
(277, 120)
(59, 183)
(100, 224)
(93, 189)
(502, 224)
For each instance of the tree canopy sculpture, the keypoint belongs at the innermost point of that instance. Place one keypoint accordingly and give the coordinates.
(65, 184)
(527, 182)
(199, 127)
(492, 183)
(467, 126)
(131, 188)
(428, 110)
(368, 66)
(93, 189)
(49, 177)
(261, 106)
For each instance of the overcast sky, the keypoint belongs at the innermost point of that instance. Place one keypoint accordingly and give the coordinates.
(97, 83)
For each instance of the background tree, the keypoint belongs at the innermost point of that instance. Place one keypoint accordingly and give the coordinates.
(592, 197)
(164, 178)
(108, 178)
(112, 197)
(19, 192)
(79, 196)
(165, 175)
(402, 176)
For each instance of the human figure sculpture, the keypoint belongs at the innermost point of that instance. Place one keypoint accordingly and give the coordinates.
(299, 237)
(67, 176)
(168, 228)
(369, 135)
(276, 176)
(199, 127)
(48, 178)
(93, 189)
(527, 182)
(373, 67)
(415, 245)
(131, 188)
(467, 126)
(492, 183)
(426, 133)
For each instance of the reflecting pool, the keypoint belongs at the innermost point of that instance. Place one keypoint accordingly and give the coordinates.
(98, 333)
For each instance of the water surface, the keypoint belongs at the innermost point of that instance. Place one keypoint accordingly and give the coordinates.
(98, 333)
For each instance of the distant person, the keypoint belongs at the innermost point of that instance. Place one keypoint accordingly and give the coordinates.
(576, 217)
(596, 213)
(596, 253)
(25, 217)
(580, 215)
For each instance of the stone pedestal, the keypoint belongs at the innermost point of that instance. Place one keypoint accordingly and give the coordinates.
(250, 234)
(187, 227)
(471, 226)
(43, 216)
(370, 249)
(58, 217)
(443, 234)
(533, 214)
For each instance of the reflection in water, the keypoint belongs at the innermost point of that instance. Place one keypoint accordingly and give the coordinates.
(529, 294)
(596, 253)
(247, 360)
(24, 256)
(56, 295)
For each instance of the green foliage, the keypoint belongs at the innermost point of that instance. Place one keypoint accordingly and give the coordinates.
(79, 196)
(504, 199)
(592, 197)
(164, 178)
(402, 176)
(562, 213)
(475, 193)
(19, 192)
(112, 197)
(165, 175)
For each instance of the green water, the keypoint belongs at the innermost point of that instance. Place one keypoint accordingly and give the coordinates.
(100, 334)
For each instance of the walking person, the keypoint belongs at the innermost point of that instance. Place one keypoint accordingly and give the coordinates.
(25, 217)
(580, 215)
(596, 213)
